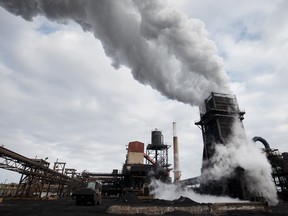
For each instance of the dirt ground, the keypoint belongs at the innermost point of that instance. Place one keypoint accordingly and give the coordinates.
(61, 207)
(66, 206)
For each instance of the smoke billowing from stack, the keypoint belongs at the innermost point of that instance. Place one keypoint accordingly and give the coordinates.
(161, 46)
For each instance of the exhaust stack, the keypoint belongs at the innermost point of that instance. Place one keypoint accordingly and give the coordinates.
(177, 172)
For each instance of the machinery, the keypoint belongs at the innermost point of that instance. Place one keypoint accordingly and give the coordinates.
(137, 175)
(89, 195)
(279, 164)
(217, 117)
(37, 179)
(138, 170)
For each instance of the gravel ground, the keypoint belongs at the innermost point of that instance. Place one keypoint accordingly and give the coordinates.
(66, 206)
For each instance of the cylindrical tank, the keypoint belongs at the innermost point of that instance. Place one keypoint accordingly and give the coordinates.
(156, 137)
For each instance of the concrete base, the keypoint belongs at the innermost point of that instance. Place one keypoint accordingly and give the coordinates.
(194, 209)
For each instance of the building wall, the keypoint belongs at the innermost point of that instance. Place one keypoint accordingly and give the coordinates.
(135, 158)
(135, 152)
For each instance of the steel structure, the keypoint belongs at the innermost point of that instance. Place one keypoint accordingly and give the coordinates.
(112, 183)
(279, 165)
(137, 175)
(217, 116)
(216, 121)
(157, 150)
(36, 176)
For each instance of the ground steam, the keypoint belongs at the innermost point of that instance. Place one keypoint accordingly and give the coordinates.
(239, 152)
(164, 191)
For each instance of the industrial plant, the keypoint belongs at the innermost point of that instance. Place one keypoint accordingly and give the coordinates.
(141, 165)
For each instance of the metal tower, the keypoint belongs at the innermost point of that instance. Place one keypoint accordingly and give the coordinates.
(217, 116)
(216, 121)
(157, 151)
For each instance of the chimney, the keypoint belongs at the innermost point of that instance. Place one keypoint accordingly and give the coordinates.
(177, 172)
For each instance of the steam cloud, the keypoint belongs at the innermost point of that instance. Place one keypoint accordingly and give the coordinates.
(161, 46)
(164, 191)
(240, 152)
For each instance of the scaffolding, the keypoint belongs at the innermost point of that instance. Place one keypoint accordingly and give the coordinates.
(37, 177)
(157, 152)
(279, 164)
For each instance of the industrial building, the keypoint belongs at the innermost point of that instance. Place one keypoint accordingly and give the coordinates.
(138, 169)
(279, 164)
(36, 176)
(217, 116)
(38, 180)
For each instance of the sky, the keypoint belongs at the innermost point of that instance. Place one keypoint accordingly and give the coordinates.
(61, 96)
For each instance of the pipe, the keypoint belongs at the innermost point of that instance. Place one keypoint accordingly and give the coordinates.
(260, 139)
(177, 172)
(149, 159)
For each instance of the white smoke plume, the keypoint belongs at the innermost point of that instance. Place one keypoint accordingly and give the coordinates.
(161, 46)
(164, 191)
(164, 49)
(240, 152)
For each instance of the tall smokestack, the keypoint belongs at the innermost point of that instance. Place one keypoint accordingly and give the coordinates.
(177, 172)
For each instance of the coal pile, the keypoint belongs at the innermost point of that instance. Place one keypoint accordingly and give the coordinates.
(67, 207)
(130, 204)
(132, 199)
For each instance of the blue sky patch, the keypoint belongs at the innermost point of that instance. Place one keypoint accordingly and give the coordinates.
(47, 28)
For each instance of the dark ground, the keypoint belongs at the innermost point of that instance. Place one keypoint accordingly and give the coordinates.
(61, 207)
(66, 206)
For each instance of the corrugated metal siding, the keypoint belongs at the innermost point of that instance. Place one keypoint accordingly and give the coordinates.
(136, 146)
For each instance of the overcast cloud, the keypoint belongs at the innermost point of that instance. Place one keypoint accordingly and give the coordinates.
(61, 98)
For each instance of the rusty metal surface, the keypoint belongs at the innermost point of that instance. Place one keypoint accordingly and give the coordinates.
(36, 173)
(15, 162)
(136, 147)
